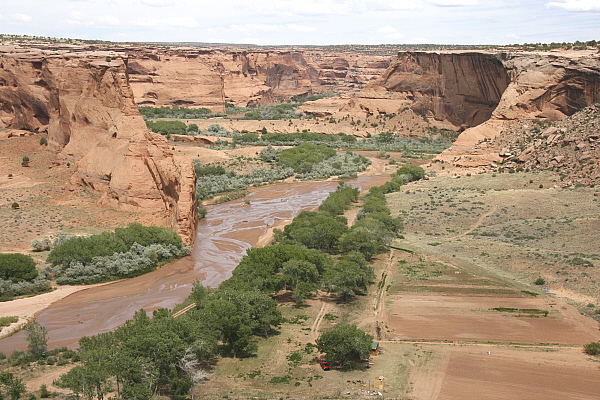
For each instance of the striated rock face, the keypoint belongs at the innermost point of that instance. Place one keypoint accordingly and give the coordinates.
(84, 102)
(484, 93)
(462, 89)
(196, 77)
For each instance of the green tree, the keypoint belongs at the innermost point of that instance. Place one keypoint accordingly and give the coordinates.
(17, 267)
(25, 161)
(345, 343)
(316, 230)
(362, 240)
(37, 340)
(350, 274)
(302, 277)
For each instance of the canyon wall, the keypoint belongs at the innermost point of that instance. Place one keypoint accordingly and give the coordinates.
(461, 89)
(85, 104)
(197, 77)
(483, 93)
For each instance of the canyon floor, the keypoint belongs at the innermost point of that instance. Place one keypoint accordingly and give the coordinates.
(471, 245)
(450, 325)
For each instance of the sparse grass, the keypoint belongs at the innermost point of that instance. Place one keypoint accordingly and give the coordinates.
(529, 234)
(6, 321)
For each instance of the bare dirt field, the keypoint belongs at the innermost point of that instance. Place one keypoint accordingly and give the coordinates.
(508, 373)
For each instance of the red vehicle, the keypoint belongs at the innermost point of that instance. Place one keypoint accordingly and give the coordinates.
(325, 365)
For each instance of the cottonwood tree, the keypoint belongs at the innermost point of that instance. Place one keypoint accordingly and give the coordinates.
(345, 343)
(37, 340)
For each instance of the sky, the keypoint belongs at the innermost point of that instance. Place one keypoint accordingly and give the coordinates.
(307, 22)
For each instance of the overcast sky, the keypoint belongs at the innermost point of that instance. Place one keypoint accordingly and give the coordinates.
(283, 22)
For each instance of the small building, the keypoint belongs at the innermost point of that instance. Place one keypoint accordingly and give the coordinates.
(374, 348)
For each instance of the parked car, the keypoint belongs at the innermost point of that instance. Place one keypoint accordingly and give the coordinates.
(325, 365)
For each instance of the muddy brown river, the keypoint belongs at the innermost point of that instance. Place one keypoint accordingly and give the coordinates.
(222, 239)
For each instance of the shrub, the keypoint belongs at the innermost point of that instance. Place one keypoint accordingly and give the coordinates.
(15, 206)
(41, 244)
(302, 158)
(593, 348)
(43, 141)
(540, 281)
(25, 161)
(84, 249)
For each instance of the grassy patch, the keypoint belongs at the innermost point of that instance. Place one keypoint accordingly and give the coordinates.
(6, 321)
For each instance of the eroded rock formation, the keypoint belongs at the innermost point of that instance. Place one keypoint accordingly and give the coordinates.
(197, 77)
(483, 93)
(84, 102)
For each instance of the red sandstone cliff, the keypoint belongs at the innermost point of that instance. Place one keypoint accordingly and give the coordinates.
(483, 93)
(196, 77)
(84, 102)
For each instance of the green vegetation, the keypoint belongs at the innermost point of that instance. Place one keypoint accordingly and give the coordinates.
(345, 343)
(383, 142)
(316, 230)
(6, 321)
(17, 267)
(540, 281)
(522, 311)
(37, 339)
(167, 356)
(313, 161)
(167, 127)
(302, 157)
(593, 348)
(124, 253)
(149, 112)
(339, 201)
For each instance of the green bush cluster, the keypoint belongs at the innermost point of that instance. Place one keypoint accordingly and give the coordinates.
(302, 157)
(17, 267)
(339, 201)
(213, 180)
(149, 112)
(136, 261)
(84, 249)
(19, 277)
(383, 142)
(167, 127)
(124, 253)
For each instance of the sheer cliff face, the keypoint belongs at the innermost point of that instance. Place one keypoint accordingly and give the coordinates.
(468, 89)
(211, 77)
(463, 89)
(85, 104)
(548, 86)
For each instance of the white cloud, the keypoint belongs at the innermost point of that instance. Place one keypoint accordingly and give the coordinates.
(454, 3)
(169, 22)
(301, 28)
(389, 32)
(386, 29)
(576, 5)
(77, 18)
(159, 3)
(17, 17)
(253, 28)
(393, 5)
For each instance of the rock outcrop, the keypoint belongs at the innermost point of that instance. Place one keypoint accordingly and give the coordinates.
(85, 104)
(570, 147)
(462, 89)
(483, 94)
(211, 77)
